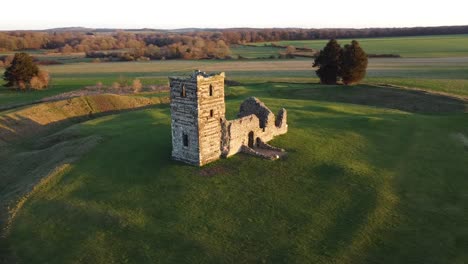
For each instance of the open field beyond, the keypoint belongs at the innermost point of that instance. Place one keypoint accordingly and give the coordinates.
(418, 47)
(448, 75)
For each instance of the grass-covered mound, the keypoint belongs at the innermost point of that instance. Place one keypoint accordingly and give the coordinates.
(32, 119)
(27, 155)
(360, 184)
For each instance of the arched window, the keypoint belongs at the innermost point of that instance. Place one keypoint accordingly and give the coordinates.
(183, 92)
(211, 90)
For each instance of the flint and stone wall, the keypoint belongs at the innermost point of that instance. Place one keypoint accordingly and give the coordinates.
(184, 115)
(197, 113)
(211, 110)
(256, 121)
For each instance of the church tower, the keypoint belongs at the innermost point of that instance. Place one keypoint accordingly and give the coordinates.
(197, 111)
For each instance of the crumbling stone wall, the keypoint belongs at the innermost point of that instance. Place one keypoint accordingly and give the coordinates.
(256, 123)
(238, 133)
(200, 132)
(254, 106)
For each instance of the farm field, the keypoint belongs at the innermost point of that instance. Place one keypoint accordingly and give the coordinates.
(410, 47)
(374, 173)
(254, 52)
(436, 74)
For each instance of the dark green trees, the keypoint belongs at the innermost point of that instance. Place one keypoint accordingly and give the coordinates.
(348, 63)
(21, 71)
(354, 63)
(329, 63)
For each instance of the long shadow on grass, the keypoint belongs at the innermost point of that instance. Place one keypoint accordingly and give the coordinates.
(128, 200)
(21, 171)
(120, 171)
(128, 188)
(429, 180)
(21, 127)
(422, 168)
(414, 101)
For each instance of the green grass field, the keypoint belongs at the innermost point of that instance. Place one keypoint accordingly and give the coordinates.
(360, 184)
(374, 173)
(411, 47)
(254, 52)
(448, 75)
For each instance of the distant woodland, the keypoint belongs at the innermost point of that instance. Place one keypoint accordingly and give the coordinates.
(184, 44)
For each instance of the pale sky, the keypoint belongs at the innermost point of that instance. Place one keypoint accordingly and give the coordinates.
(170, 14)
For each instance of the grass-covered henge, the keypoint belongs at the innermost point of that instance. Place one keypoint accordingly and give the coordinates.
(359, 184)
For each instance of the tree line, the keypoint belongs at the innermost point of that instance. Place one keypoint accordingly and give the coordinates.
(234, 36)
(82, 41)
(193, 48)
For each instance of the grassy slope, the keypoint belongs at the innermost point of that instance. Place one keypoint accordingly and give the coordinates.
(360, 184)
(424, 46)
(30, 120)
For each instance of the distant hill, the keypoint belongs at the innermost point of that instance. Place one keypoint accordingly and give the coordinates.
(321, 33)
(68, 29)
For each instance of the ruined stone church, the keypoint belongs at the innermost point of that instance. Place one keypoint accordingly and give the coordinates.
(200, 132)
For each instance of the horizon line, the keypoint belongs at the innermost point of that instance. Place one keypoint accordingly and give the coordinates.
(219, 28)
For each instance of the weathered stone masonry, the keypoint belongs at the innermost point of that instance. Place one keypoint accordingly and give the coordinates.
(200, 132)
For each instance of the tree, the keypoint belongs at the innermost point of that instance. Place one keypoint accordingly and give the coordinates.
(21, 70)
(67, 49)
(353, 63)
(329, 63)
(40, 81)
(290, 50)
(137, 86)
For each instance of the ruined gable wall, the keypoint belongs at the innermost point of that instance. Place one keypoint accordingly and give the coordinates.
(281, 123)
(254, 106)
(184, 112)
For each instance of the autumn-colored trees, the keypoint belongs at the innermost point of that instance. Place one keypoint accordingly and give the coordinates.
(83, 41)
(23, 73)
(186, 48)
(348, 64)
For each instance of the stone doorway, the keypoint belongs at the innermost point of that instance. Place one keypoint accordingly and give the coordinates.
(251, 139)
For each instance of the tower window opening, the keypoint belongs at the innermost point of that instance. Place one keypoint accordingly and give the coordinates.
(211, 113)
(183, 93)
(211, 90)
(185, 140)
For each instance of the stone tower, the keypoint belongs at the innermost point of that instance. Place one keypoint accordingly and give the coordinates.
(197, 111)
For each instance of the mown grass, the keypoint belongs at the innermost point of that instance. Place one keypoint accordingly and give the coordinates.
(360, 184)
(411, 47)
